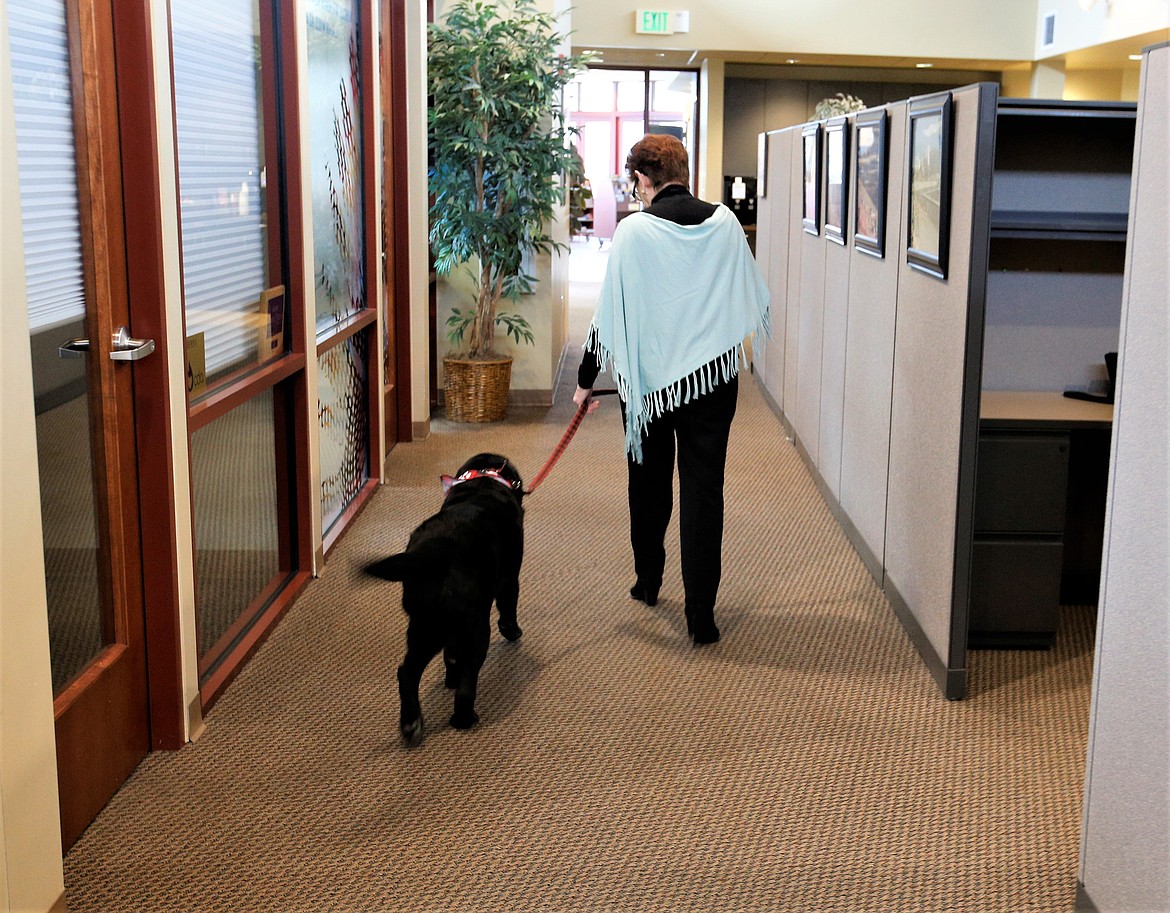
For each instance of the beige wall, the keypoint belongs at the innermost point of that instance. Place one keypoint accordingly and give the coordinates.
(989, 29)
(30, 836)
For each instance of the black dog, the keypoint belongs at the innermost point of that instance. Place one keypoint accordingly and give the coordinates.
(456, 563)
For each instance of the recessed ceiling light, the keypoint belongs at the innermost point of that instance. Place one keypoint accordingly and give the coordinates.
(924, 66)
(1135, 56)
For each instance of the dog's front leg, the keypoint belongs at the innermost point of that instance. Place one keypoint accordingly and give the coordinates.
(506, 600)
(508, 595)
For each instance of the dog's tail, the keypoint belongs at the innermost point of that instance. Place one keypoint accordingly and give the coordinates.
(396, 567)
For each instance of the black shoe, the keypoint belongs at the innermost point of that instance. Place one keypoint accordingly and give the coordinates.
(701, 626)
(644, 593)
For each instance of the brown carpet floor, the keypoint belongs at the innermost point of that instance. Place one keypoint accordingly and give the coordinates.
(805, 764)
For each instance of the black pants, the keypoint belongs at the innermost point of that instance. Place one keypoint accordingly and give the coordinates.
(700, 429)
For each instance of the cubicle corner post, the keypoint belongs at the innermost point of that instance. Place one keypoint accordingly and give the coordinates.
(977, 265)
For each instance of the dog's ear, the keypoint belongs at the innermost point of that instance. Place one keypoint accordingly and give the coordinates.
(447, 481)
(396, 567)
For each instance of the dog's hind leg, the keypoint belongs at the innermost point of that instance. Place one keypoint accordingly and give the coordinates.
(470, 650)
(410, 721)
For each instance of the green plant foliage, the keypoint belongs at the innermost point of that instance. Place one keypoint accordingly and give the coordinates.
(497, 140)
(836, 105)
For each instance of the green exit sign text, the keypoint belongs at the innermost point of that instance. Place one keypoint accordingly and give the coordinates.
(653, 22)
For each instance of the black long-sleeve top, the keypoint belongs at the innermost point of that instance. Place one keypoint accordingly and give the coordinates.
(676, 204)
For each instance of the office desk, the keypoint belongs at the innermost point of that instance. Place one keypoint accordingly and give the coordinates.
(1040, 485)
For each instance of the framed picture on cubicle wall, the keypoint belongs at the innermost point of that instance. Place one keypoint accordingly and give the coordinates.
(928, 205)
(836, 175)
(811, 154)
(762, 166)
(870, 139)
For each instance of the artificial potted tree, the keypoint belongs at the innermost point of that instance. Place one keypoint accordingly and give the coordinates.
(497, 141)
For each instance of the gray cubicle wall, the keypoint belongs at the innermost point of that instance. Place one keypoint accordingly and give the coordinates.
(772, 240)
(810, 323)
(868, 394)
(1125, 838)
(834, 332)
(934, 421)
(882, 378)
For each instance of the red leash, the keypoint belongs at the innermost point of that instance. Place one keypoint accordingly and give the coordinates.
(563, 444)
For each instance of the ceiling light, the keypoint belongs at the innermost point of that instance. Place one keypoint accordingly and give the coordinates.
(924, 66)
(1135, 56)
(792, 60)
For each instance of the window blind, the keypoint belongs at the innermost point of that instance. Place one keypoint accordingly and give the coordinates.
(215, 50)
(46, 161)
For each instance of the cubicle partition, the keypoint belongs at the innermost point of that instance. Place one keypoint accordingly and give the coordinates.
(1125, 837)
(882, 351)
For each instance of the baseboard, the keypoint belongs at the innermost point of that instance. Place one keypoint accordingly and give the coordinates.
(530, 398)
(1084, 901)
(195, 725)
(420, 431)
(952, 682)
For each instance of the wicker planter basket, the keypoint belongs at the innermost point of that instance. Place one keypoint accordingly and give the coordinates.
(476, 390)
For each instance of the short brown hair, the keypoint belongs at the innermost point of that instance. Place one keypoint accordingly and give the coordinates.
(661, 157)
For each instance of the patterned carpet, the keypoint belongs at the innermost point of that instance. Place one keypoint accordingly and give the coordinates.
(805, 764)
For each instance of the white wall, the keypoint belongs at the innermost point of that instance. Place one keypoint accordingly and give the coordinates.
(1108, 20)
(1125, 843)
(30, 832)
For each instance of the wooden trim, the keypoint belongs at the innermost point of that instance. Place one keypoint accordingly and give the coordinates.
(132, 46)
(300, 482)
(224, 399)
(348, 327)
(342, 524)
(395, 104)
(217, 682)
(222, 647)
(371, 219)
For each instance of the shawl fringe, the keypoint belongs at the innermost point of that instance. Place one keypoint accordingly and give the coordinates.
(698, 383)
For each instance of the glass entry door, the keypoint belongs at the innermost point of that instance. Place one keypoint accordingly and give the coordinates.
(84, 357)
(245, 358)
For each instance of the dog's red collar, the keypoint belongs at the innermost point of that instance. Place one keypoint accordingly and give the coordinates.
(451, 481)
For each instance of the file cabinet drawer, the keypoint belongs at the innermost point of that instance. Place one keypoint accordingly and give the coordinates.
(1021, 482)
(1015, 592)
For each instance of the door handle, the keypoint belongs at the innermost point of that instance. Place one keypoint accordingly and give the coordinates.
(73, 348)
(124, 347)
(127, 349)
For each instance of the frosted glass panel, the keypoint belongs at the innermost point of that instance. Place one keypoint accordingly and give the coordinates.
(344, 412)
(218, 120)
(336, 141)
(43, 102)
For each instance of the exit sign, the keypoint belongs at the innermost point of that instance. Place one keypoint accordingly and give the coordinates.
(654, 22)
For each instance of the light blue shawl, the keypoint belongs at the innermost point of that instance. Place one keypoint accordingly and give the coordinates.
(675, 299)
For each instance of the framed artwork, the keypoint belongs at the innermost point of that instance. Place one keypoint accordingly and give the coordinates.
(810, 140)
(836, 177)
(762, 167)
(870, 139)
(929, 185)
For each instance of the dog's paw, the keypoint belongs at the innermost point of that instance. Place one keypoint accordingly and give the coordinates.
(464, 720)
(510, 630)
(412, 732)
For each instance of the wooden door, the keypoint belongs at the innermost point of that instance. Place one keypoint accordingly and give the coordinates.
(84, 362)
